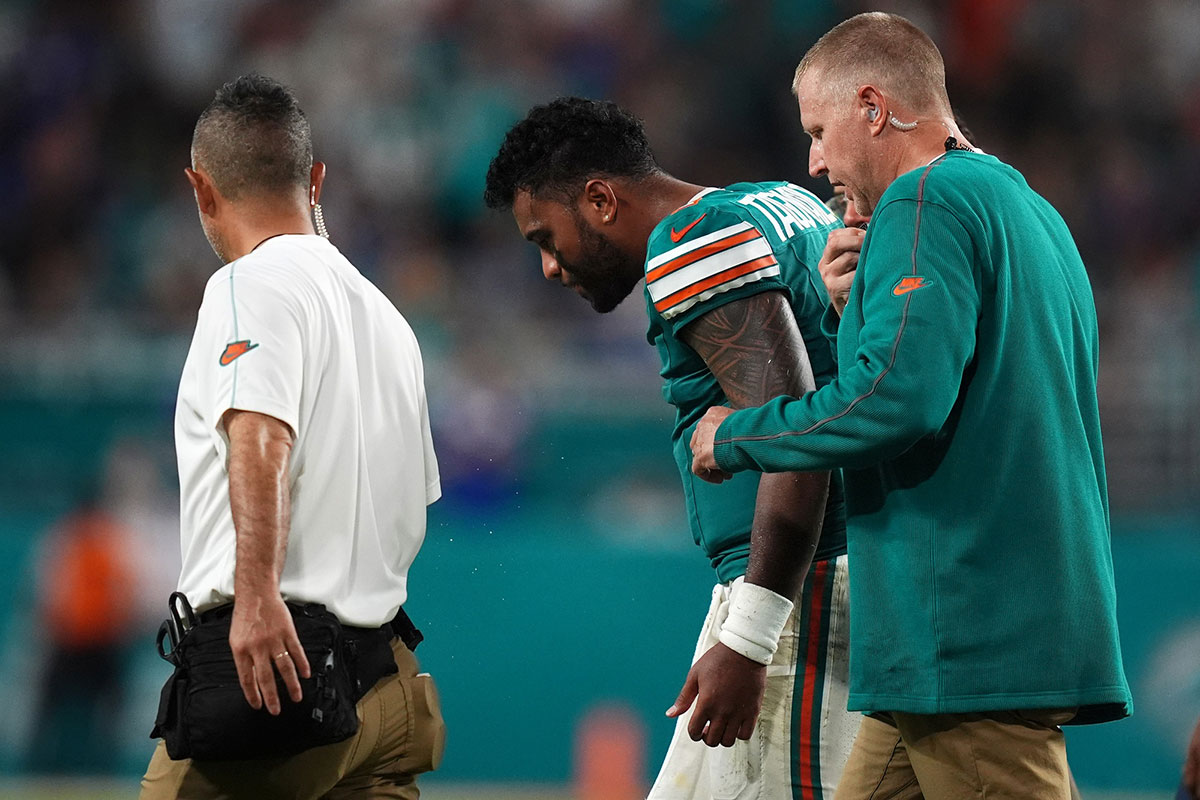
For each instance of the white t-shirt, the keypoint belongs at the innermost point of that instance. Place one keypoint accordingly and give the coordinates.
(293, 330)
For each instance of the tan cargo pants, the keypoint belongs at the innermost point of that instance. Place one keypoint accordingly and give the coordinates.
(1003, 754)
(400, 735)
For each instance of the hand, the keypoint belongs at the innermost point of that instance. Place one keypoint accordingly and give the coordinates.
(730, 690)
(263, 639)
(1191, 765)
(704, 460)
(838, 264)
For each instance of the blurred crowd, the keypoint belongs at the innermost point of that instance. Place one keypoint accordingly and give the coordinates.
(102, 262)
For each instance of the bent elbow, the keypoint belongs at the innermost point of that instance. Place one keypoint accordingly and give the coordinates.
(906, 429)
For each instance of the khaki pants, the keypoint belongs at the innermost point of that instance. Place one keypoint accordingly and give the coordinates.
(1001, 754)
(400, 734)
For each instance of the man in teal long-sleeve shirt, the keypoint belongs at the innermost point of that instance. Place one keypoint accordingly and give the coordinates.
(964, 416)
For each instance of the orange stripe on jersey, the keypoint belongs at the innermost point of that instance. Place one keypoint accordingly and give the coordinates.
(715, 280)
(702, 252)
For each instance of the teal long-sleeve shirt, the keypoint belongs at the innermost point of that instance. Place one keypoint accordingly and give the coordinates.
(964, 415)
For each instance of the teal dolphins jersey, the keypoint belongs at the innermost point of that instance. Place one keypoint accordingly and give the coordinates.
(725, 245)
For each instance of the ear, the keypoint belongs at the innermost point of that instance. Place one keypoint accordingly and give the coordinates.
(206, 192)
(316, 178)
(872, 107)
(600, 202)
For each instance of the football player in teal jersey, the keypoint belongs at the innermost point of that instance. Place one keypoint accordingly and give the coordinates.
(964, 416)
(734, 304)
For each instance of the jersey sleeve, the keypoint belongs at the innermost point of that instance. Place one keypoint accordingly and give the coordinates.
(254, 336)
(920, 304)
(433, 480)
(701, 258)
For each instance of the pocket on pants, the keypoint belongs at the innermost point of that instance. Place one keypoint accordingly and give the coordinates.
(732, 769)
(1050, 718)
(427, 742)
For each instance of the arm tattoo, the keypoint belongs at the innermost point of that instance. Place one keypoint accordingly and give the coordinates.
(753, 348)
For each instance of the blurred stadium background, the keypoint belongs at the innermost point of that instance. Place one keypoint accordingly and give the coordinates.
(559, 590)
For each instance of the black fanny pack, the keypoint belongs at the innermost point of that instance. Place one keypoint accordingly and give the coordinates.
(203, 714)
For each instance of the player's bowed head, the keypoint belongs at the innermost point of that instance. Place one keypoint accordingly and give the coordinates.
(583, 185)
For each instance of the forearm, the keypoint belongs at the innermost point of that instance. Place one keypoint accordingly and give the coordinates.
(903, 384)
(787, 527)
(259, 495)
(823, 431)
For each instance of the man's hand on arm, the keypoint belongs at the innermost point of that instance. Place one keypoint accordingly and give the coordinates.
(755, 350)
(838, 264)
(704, 459)
(262, 635)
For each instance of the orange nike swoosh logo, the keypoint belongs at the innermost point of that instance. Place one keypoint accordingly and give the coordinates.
(235, 349)
(677, 235)
(907, 285)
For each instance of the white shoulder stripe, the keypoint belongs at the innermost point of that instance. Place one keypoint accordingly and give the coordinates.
(706, 267)
(708, 294)
(707, 238)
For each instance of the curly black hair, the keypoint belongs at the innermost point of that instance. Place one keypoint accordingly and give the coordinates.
(253, 138)
(560, 145)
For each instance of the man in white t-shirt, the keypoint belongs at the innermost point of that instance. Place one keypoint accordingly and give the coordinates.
(305, 457)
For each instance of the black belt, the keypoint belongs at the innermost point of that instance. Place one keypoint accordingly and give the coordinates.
(399, 625)
(403, 627)
(368, 652)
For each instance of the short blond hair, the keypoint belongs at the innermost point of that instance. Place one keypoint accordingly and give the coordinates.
(885, 50)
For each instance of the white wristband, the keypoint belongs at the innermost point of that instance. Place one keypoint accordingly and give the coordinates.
(756, 619)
